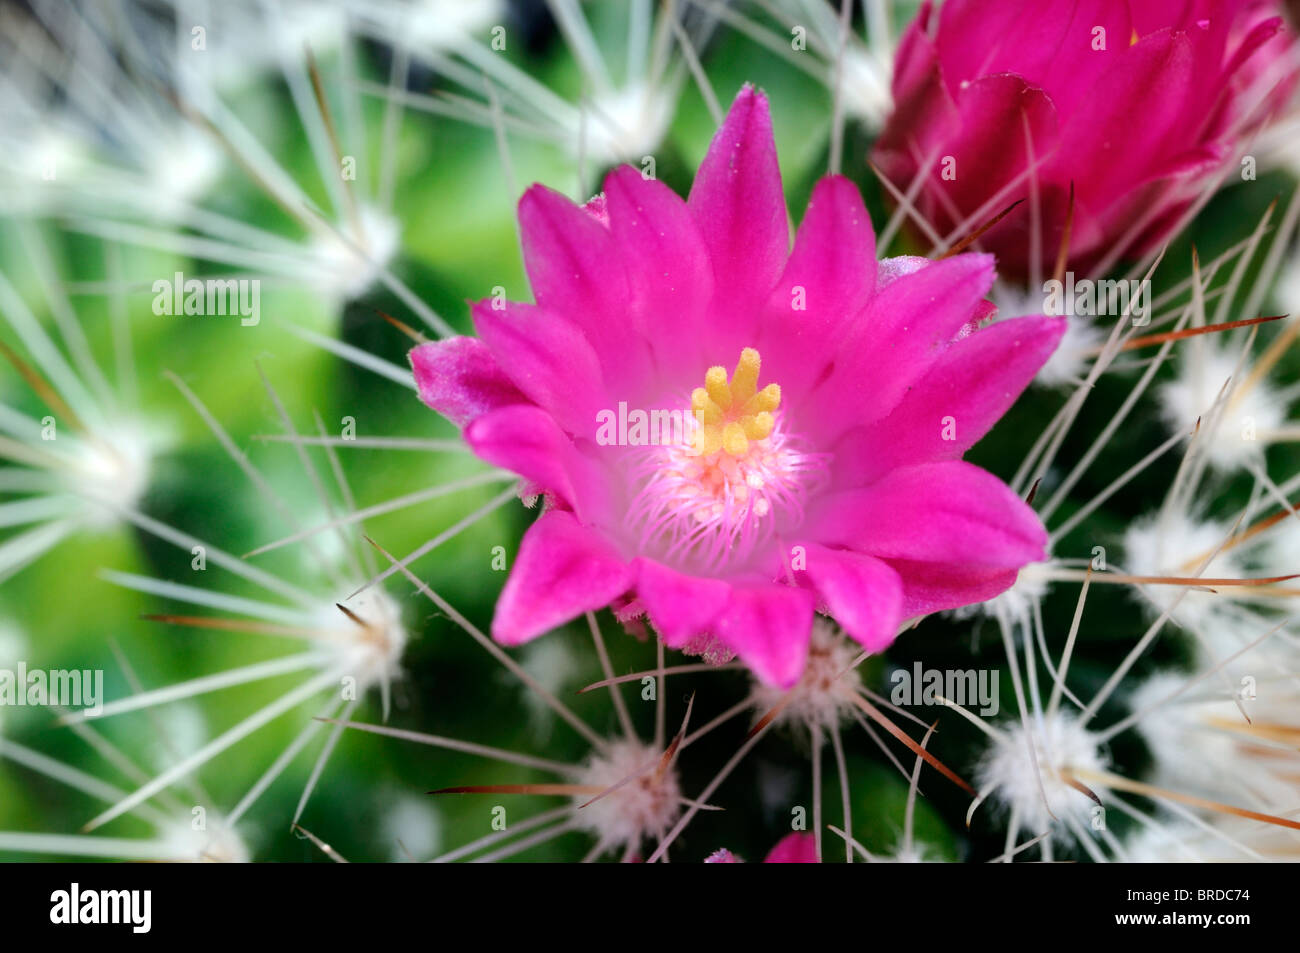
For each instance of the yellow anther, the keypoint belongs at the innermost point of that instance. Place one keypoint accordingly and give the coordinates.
(758, 426)
(708, 440)
(734, 440)
(767, 399)
(732, 413)
(745, 381)
(703, 407)
(715, 382)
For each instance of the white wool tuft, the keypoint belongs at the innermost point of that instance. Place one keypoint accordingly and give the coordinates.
(642, 809)
(822, 697)
(1236, 434)
(1060, 744)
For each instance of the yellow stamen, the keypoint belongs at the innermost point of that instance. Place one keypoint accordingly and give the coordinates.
(759, 426)
(767, 399)
(715, 382)
(731, 414)
(744, 382)
(703, 407)
(708, 440)
(734, 440)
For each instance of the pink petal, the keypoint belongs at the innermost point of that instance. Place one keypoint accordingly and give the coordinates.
(901, 334)
(974, 383)
(739, 206)
(525, 440)
(834, 252)
(794, 848)
(1258, 36)
(680, 606)
(937, 512)
(1006, 122)
(1049, 43)
(829, 279)
(769, 627)
(934, 587)
(1152, 15)
(562, 571)
(1098, 164)
(924, 110)
(916, 62)
(862, 594)
(575, 271)
(979, 147)
(667, 265)
(549, 359)
(460, 379)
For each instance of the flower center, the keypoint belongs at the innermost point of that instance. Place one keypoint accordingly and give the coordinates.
(713, 498)
(731, 414)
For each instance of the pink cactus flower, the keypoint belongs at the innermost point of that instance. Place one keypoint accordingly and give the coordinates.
(823, 471)
(1141, 105)
(792, 849)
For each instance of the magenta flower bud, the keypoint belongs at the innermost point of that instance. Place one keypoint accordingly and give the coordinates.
(1141, 105)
